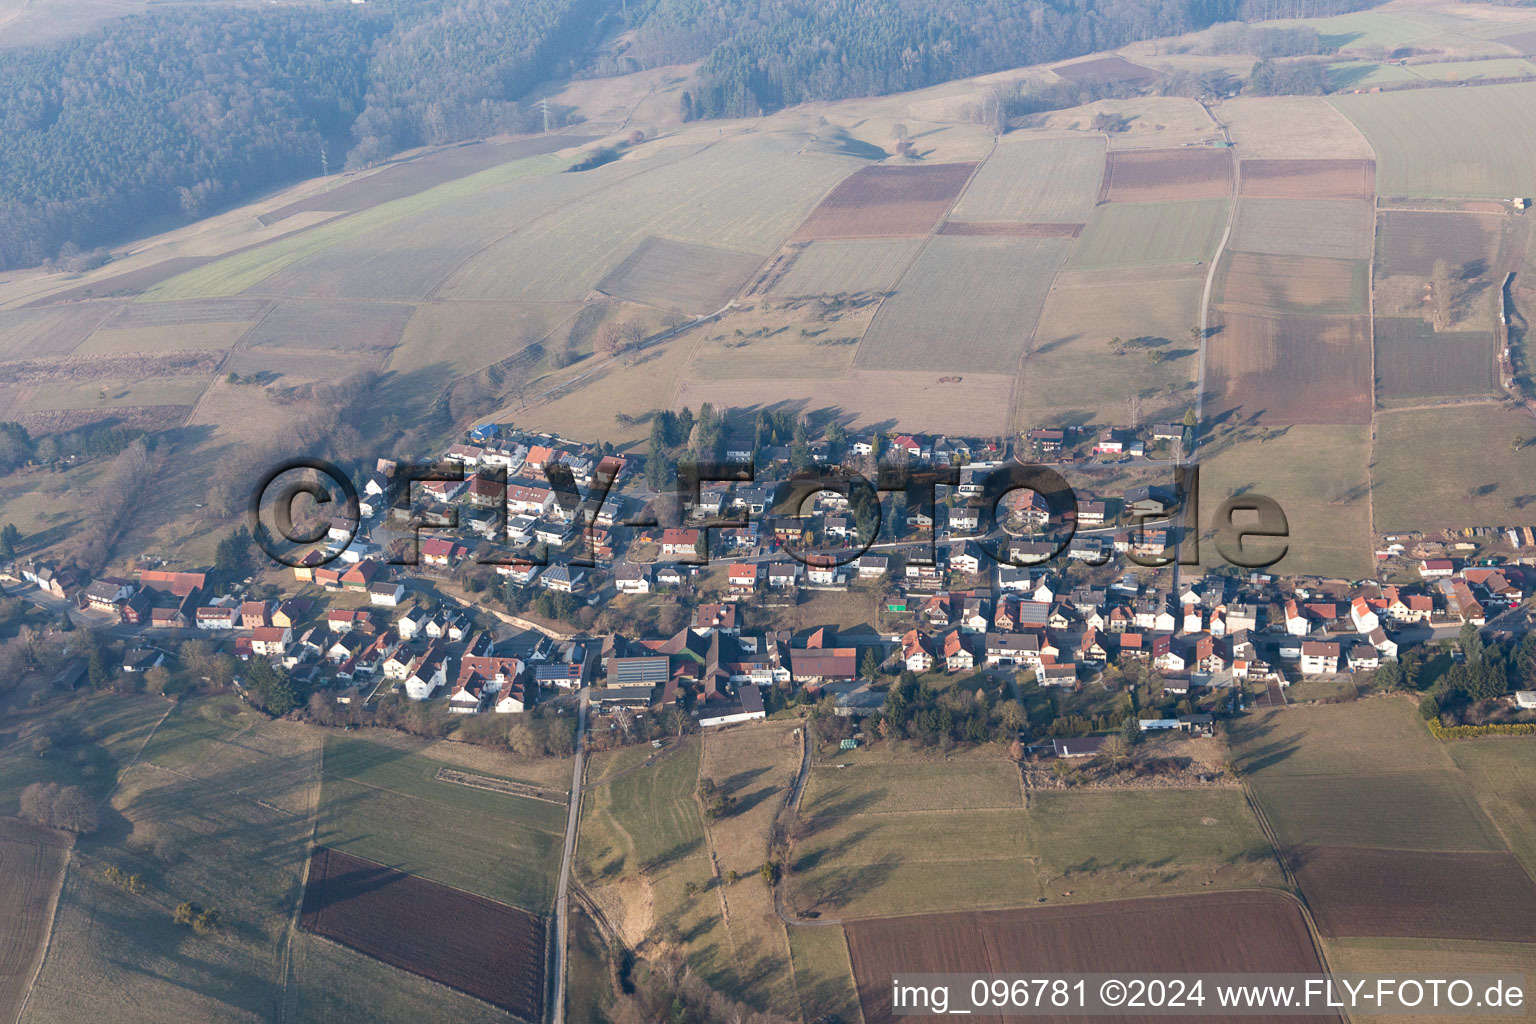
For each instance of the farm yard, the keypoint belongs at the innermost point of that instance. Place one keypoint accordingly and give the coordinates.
(1274, 370)
(1151, 175)
(1452, 465)
(1304, 227)
(683, 275)
(967, 304)
(972, 403)
(1321, 477)
(1137, 234)
(1035, 180)
(1073, 373)
(850, 266)
(1260, 282)
(1209, 932)
(464, 941)
(1309, 179)
(1414, 361)
(1433, 142)
(32, 860)
(887, 201)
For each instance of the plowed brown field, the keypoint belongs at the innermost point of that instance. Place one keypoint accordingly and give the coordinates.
(488, 949)
(1218, 932)
(887, 201)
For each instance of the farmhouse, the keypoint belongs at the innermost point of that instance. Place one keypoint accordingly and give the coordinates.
(1082, 746)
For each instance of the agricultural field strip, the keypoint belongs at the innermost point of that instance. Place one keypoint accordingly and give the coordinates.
(427, 799)
(544, 261)
(231, 275)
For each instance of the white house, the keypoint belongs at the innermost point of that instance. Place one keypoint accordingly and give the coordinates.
(1319, 658)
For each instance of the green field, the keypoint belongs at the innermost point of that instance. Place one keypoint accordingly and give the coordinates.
(1452, 466)
(823, 973)
(234, 274)
(1471, 70)
(869, 847)
(876, 788)
(224, 822)
(833, 267)
(1138, 234)
(1320, 476)
(1154, 308)
(743, 194)
(329, 982)
(642, 848)
(1355, 74)
(1424, 958)
(464, 337)
(169, 338)
(965, 305)
(1433, 142)
(1428, 810)
(502, 846)
(1043, 181)
(1364, 773)
(643, 819)
(1336, 228)
(1502, 772)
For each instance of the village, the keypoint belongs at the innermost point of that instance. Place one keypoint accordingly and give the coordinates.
(483, 617)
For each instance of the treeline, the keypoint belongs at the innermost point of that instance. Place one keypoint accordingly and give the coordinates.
(1289, 78)
(454, 70)
(170, 116)
(759, 55)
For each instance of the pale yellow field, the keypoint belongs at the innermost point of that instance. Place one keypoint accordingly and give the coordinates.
(1320, 477)
(162, 339)
(1072, 373)
(1294, 127)
(468, 336)
(973, 404)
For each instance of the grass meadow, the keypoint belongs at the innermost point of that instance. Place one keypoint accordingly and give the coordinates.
(1139, 234)
(1433, 142)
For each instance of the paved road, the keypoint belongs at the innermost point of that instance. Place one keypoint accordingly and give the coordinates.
(562, 899)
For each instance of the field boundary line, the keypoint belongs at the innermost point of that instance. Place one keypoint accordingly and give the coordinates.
(431, 293)
(69, 862)
(298, 907)
(53, 914)
(413, 796)
(917, 254)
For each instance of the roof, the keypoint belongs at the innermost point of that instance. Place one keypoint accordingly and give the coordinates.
(645, 670)
(1082, 746)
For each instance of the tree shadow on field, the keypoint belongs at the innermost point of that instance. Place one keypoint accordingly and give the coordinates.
(673, 855)
(1054, 344)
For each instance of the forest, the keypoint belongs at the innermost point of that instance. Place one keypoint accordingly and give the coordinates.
(157, 119)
